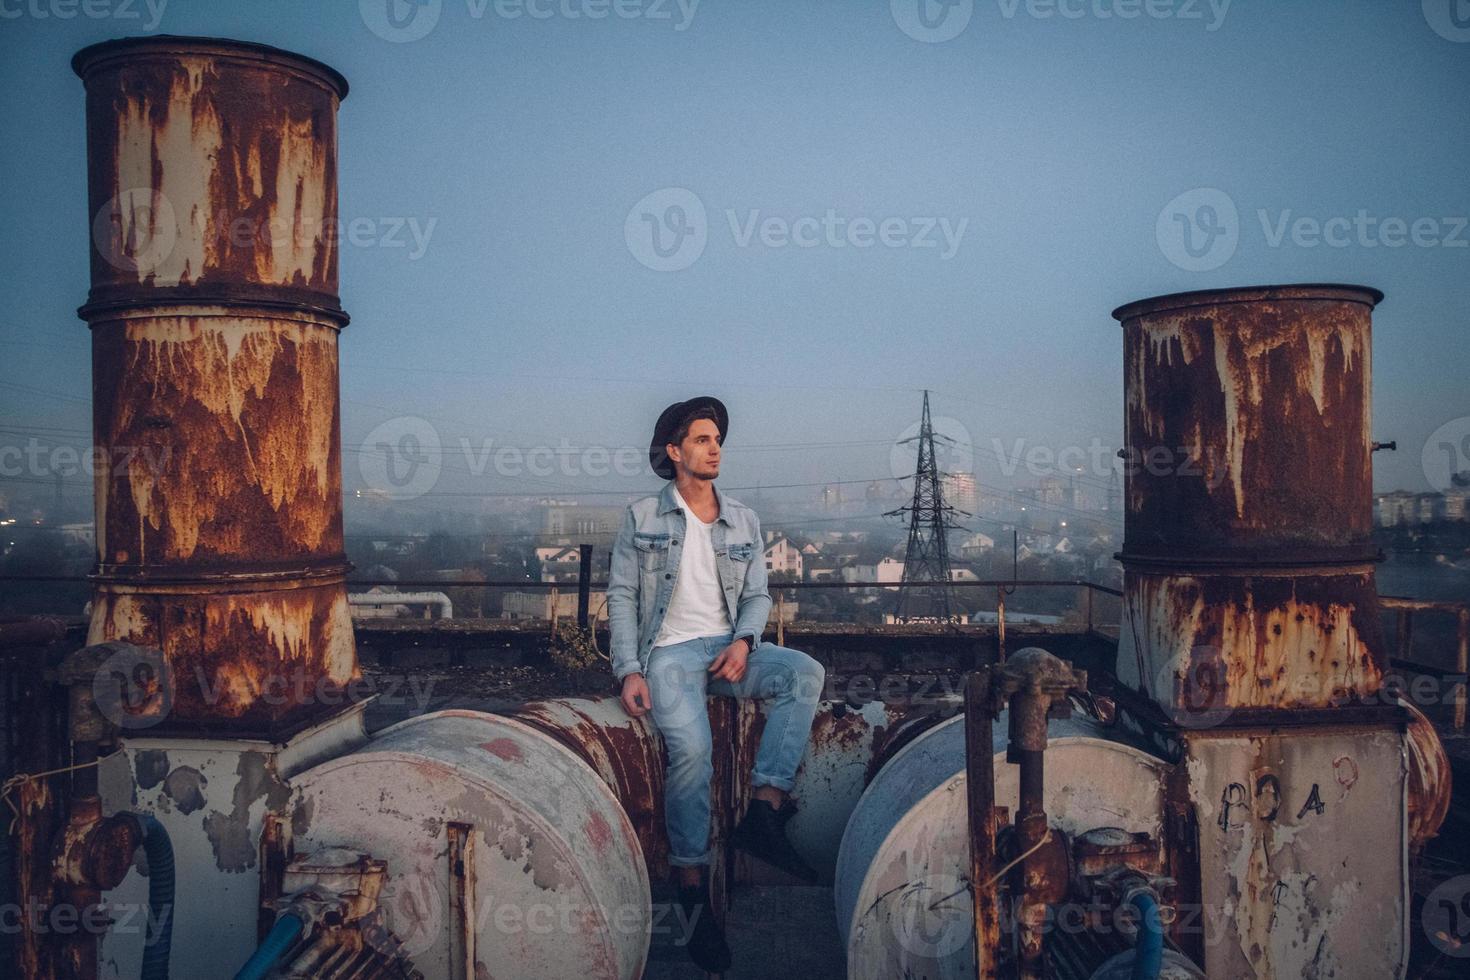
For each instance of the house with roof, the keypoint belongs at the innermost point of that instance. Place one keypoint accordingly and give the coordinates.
(783, 557)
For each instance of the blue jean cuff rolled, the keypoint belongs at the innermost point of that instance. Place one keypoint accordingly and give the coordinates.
(780, 782)
(693, 862)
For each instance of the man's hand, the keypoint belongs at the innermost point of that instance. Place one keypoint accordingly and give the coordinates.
(730, 664)
(636, 699)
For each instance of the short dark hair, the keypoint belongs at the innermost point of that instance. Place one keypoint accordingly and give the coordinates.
(703, 412)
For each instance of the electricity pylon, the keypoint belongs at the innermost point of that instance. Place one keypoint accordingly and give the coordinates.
(926, 593)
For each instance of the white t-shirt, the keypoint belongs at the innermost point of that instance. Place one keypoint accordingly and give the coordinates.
(697, 607)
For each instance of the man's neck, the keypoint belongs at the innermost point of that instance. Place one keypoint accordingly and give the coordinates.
(699, 494)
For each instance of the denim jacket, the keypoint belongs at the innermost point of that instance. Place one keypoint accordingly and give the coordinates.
(645, 566)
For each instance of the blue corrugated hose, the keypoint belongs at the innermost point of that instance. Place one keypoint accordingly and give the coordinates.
(272, 948)
(1148, 955)
(160, 852)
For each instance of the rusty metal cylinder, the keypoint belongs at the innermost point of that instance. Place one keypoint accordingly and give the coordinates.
(1247, 425)
(506, 854)
(1247, 553)
(212, 176)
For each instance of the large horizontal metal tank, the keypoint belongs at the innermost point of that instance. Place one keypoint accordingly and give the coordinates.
(903, 905)
(846, 744)
(553, 883)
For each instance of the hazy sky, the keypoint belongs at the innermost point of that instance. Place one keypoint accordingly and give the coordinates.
(955, 214)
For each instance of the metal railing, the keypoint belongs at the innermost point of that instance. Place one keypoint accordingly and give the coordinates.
(1404, 610)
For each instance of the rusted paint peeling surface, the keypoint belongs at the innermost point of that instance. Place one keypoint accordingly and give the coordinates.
(230, 832)
(1430, 778)
(901, 892)
(1209, 643)
(1258, 416)
(222, 161)
(551, 835)
(212, 179)
(245, 656)
(1306, 833)
(38, 816)
(185, 787)
(149, 768)
(626, 753)
(223, 436)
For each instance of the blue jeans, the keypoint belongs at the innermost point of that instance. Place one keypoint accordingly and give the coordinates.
(678, 680)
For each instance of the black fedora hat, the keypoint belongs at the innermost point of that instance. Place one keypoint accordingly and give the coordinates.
(669, 420)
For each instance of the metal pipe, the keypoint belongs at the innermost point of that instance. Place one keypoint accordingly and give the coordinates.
(980, 809)
(1148, 959)
(31, 631)
(282, 935)
(1037, 684)
(1462, 666)
(159, 850)
(1028, 714)
(212, 178)
(584, 579)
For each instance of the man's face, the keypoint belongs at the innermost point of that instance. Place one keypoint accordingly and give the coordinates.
(699, 454)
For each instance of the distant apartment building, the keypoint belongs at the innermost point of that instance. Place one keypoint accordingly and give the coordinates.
(565, 519)
(885, 571)
(783, 557)
(960, 490)
(1457, 505)
(1400, 508)
(1052, 491)
(975, 545)
(559, 563)
(83, 534)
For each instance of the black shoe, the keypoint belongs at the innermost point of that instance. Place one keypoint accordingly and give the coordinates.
(706, 941)
(762, 834)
